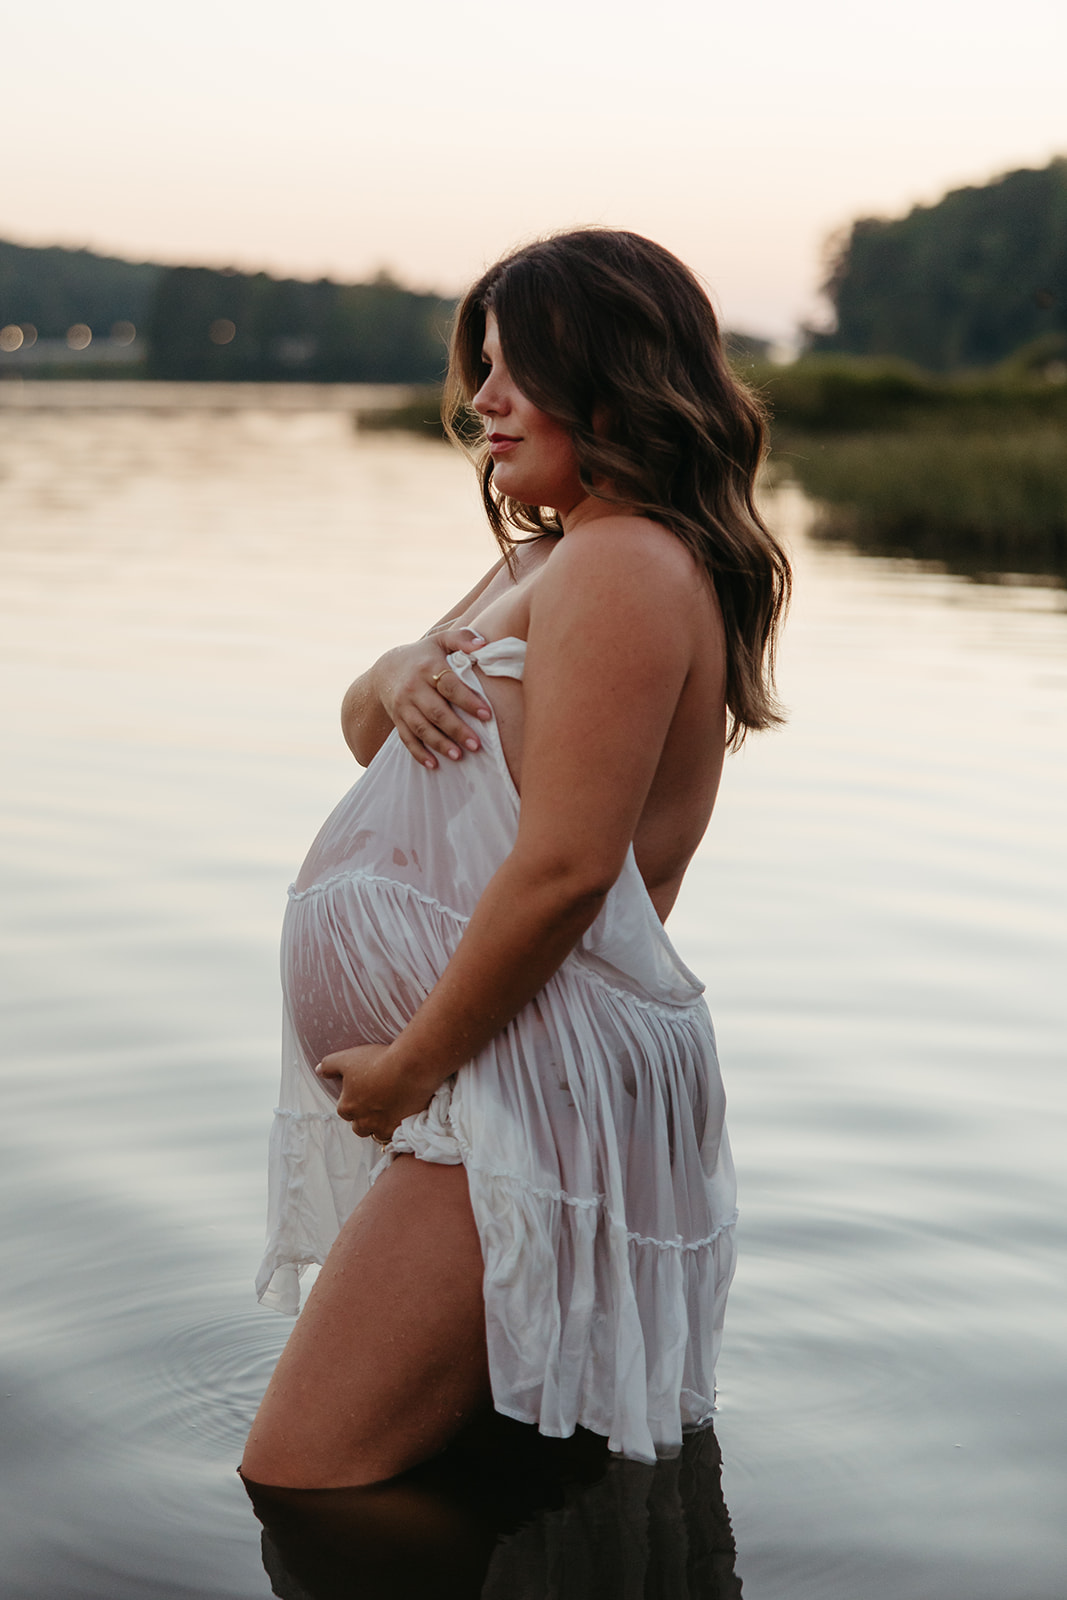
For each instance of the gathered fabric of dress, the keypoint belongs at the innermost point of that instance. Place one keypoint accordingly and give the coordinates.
(591, 1129)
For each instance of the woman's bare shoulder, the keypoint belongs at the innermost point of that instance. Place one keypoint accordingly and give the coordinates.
(623, 535)
(625, 560)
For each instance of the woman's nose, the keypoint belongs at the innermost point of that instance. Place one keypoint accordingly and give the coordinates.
(489, 400)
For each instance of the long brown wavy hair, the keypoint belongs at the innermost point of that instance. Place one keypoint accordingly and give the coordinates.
(614, 337)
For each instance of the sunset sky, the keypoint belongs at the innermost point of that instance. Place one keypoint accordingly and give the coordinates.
(339, 138)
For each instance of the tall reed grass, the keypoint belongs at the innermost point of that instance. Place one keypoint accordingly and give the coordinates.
(843, 394)
(969, 470)
(982, 502)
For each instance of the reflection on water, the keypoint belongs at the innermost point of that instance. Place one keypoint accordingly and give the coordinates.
(992, 558)
(512, 1518)
(877, 909)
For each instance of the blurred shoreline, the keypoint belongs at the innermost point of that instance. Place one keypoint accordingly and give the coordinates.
(134, 394)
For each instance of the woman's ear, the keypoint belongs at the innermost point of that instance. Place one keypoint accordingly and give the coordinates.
(603, 418)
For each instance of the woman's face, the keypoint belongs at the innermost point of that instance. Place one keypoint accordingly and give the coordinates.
(533, 457)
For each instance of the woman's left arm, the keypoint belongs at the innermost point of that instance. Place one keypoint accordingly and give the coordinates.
(602, 681)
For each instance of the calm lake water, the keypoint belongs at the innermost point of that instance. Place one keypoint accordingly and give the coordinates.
(878, 911)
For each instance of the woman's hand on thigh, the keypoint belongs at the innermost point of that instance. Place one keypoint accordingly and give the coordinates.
(375, 1096)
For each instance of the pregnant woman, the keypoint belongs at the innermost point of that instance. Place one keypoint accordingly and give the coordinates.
(501, 1120)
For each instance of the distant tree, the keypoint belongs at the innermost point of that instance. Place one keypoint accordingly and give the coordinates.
(206, 324)
(963, 283)
(202, 323)
(53, 288)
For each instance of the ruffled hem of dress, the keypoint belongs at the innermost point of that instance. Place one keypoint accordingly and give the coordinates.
(319, 1173)
(429, 1135)
(573, 965)
(649, 1315)
(626, 1349)
(649, 1372)
(701, 1409)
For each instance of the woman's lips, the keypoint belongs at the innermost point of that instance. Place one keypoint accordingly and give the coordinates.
(501, 443)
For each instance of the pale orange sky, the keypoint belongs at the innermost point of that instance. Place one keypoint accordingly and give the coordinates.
(429, 137)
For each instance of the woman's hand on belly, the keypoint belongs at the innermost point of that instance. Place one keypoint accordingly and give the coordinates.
(375, 1095)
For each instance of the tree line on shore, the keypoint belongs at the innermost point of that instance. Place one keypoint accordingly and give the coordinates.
(978, 279)
(200, 323)
(204, 324)
(963, 284)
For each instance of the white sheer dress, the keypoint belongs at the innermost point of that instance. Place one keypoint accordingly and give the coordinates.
(591, 1129)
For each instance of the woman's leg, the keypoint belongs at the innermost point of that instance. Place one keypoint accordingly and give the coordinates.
(387, 1360)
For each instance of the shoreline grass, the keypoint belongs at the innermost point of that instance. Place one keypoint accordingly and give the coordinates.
(982, 503)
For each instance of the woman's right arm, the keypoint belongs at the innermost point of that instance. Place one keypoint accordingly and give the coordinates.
(398, 692)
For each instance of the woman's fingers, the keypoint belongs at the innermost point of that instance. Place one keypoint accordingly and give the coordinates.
(465, 639)
(452, 688)
(429, 726)
(423, 697)
(374, 1100)
(434, 731)
(415, 747)
(353, 1067)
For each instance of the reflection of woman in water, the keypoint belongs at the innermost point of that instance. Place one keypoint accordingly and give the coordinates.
(483, 979)
(541, 1522)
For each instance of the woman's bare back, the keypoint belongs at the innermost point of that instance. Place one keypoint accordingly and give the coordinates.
(680, 801)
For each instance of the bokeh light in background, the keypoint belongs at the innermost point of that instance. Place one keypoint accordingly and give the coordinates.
(430, 137)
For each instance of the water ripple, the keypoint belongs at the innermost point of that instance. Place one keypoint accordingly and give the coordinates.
(214, 1373)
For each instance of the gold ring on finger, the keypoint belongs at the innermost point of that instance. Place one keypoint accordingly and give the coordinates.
(437, 676)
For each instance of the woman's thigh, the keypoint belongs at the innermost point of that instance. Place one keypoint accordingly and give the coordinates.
(387, 1360)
